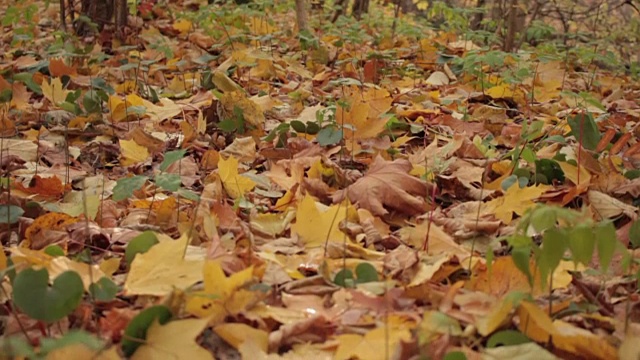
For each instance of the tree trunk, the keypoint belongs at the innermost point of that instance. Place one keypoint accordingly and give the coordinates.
(121, 13)
(360, 7)
(476, 21)
(302, 16)
(512, 27)
(340, 6)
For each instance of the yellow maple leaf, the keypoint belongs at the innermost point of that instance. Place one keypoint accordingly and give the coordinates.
(515, 200)
(222, 295)
(234, 184)
(500, 91)
(54, 91)
(235, 334)
(315, 226)
(162, 269)
(362, 119)
(81, 351)
(121, 109)
(376, 344)
(132, 153)
(536, 324)
(183, 26)
(174, 340)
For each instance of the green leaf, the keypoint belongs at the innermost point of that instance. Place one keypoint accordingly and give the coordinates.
(71, 338)
(27, 79)
(15, 347)
(543, 218)
(54, 250)
(520, 257)
(582, 242)
(550, 169)
(632, 174)
(606, 243)
(171, 157)
(507, 338)
(312, 128)
(33, 295)
(103, 290)
(365, 273)
(329, 135)
(528, 155)
(6, 95)
(136, 331)
(298, 126)
(91, 102)
(344, 278)
(585, 130)
(9, 214)
(551, 252)
(634, 234)
(125, 187)
(508, 182)
(169, 182)
(139, 245)
(73, 96)
(455, 355)
(188, 194)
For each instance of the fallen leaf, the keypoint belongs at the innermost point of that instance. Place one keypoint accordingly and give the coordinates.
(315, 224)
(388, 183)
(163, 269)
(132, 153)
(235, 185)
(515, 200)
(174, 340)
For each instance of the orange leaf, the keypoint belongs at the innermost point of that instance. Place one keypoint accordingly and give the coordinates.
(48, 188)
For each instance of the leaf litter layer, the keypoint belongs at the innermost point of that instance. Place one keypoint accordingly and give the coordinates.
(209, 184)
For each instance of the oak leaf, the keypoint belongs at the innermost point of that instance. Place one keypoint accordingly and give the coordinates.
(388, 183)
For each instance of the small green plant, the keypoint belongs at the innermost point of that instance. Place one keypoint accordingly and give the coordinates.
(325, 128)
(365, 273)
(21, 17)
(168, 181)
(564, 234)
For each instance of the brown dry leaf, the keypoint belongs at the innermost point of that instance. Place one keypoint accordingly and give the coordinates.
(607, 207)
(48, 188)
(58, 68)
(388, 183)
(142, 138)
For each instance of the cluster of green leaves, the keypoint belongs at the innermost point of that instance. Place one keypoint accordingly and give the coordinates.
(565, 234)
(21, 16)
(125, 187)
(365, 273)
(547, 171)
(325, 128)
(48, 302)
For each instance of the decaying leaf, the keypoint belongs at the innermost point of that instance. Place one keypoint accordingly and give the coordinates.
(388, 183)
